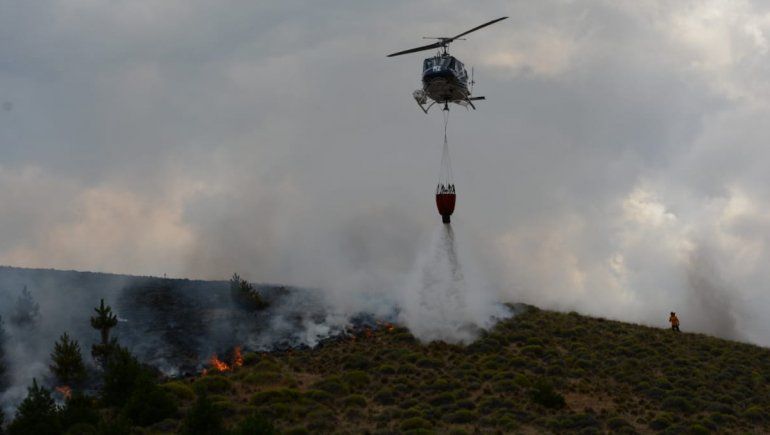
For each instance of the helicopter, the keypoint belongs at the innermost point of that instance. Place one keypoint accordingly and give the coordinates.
(444, 78)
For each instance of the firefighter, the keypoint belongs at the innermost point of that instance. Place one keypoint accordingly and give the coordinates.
(674, 322)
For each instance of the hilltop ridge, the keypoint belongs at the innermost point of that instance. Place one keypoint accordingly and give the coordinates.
(540, 371)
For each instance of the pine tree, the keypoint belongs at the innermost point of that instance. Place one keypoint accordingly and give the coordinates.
(122, 375)
(37, 413)
(103, 322)
(67, 364)
(27, 310)
(245, 295)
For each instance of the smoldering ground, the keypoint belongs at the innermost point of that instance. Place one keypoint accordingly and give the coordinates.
(173, 325)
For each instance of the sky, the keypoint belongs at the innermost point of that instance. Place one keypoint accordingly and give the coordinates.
(617, 168)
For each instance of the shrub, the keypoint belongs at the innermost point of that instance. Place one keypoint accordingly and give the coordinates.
(179, 389)
(250, 358)
(214, 384)
(441, 399)
(386, 369)
(256, 425)
(415, 423)
(543, 394)
(149, 404)
(267, 364)
(754, 414)
(321, 420)
(677, 403)
(385, 396)
(574, 422)
(203, 418)
(462, 416)
(697, 429)
(356, 378)
(272, 396)
(78, 410)
(355, 400)
(261, 378)
(332, 384)
(617, 424)
(660, 422)
(319, 396)
(533, 350)
(357, 361)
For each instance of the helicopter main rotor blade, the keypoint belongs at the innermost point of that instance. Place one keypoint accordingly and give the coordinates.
(443, 42)
(424, 47)
(477, 28)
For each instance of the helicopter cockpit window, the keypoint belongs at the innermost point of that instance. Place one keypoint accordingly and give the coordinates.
(428, 64)
(452, 64)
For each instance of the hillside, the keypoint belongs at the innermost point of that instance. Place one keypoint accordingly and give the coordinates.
(538, 372)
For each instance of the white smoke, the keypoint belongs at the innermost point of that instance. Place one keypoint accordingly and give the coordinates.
(442, 299)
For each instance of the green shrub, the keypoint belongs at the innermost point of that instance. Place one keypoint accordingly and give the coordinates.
(660, 422)
(618, 424)
(321, 420)
(149, 404)
(179, 389)
(358, 362)
(277, 395)
(356, 378)
(333, 385)
(214, 384)
(267, 364)
(532, 350)
(698, 429)
(386, 369)
(255, 425)
(678, 404)
(78, 410)
(385, 396)
(441, 399)
(250, 358)
(543, 394)
(415, 423)
(319, 396)
(203, 418)
(754, 414)
(355, 400)
(262, 378)
(462, 416)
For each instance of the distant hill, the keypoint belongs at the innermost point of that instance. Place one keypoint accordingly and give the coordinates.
(540, 371)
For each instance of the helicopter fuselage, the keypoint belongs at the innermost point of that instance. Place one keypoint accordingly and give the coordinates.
(445, 80)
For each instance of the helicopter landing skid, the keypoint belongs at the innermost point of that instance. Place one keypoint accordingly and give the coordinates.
(425, 109)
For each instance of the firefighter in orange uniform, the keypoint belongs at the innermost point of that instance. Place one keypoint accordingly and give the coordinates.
(674, 322)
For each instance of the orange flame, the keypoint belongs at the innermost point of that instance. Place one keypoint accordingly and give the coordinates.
(389, 327)
(218, 365)
(237, 357)
(65, 391)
